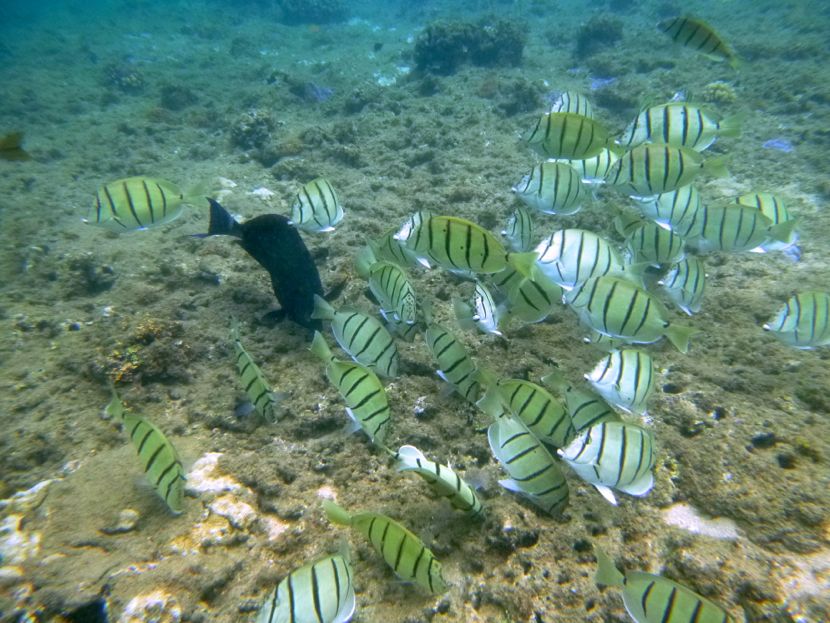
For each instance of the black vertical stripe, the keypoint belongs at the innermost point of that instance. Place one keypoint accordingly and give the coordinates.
(336, 575)
(149, 200)
(315, 594)
(131, 205)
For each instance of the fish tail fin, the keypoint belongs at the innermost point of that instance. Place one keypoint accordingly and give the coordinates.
(716, 167)
(491, 402)
(364, 260)
(320, 348)
(734, 62)
(607, 574)
(555, 381)
(221, 222)
(679, 336)
(322, 309)
(463, 314)
(11, 147)
(731, 126)
(234, 332)
(337, 514)
(115, 408)
(522, 262)
(783, 231)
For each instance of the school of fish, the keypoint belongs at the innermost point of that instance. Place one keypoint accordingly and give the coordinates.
(542, 431)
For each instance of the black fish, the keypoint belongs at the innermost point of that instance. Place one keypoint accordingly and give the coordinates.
(278, 247)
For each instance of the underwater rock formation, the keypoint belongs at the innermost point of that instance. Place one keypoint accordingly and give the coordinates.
(444, 46)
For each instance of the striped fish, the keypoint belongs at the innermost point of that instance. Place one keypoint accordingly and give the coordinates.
(264, 399)
(679, 210)
(455, 365)
(442, 479)
(649, 170)
(316, 207)
(619, 308)
(652, 244)
(804, 322)
(593, 170)
(533, 471)
(405, 331)
(365, 398)
(625, 378)
(459, 245)
(569, 257)
(318, 592)
(536, 408)
(678, 124)
(568, 135)
(552, 188)
(735, 228)
(135, 203)
(650, 598)
(483, 314)
(574, 102)
(685, 283)
(158, 456)
(774, 208)
(402, 550)
(585, 408)
(519, 230)
(699, 36)
(530, 299)
(391, 287)
(363, 337)
(613, 455)
(387, 249)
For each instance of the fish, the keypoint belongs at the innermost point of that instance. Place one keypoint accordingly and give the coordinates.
(552, 188)
(363, 337)
(530, 299)
(403, 551)
(735, 228)
(593, 170)
(158, 456)
(804, 321)
(11, 147)
(387, 249)
(441, 479)
(651, 169)
(390, 285)
(568, 135)
(573, 102)
(457, 244)
(625, 379)
(279, 249)
(545, 417)
(685, 283)
(316, 207)
(650, 598)
(519, 230)
(318, 592)
(679, 210)
(533, 471)
(618, 308)
(570, 257)
(484, 314)
(586, 408)
(774, 208)
(679, 124)
(264, 399)
(365, 397)
(136, 203)
(613, 455)
(455, 366)
(649, 243)
(699, 36)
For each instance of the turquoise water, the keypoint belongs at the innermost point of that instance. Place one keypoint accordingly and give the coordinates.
(246, 102)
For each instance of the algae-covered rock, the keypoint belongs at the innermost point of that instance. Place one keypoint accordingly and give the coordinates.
(444, 46)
